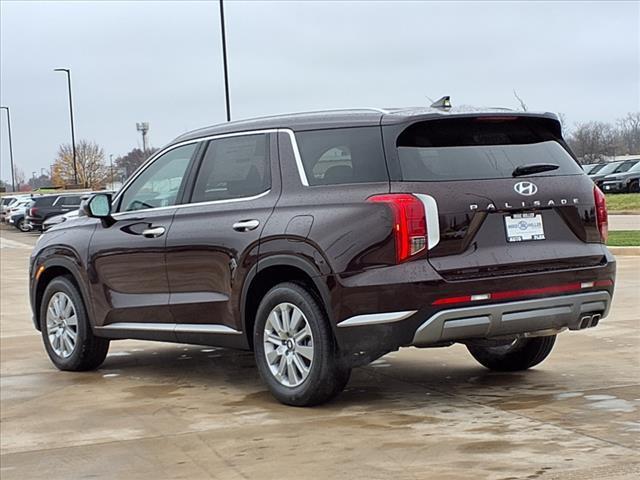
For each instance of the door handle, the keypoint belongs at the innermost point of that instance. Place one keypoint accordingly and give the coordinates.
(246, 225)
(153, 232)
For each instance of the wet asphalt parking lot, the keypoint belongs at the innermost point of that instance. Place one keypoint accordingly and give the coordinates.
(158, 410)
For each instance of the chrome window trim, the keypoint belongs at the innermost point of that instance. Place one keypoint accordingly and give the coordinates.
(194, 204)
(153, 158)
(296, 155)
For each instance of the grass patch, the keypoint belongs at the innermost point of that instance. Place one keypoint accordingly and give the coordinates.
(624, 238)
(623, 202)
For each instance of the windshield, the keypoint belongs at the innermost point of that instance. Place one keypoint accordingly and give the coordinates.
(608, 168)
(597, 168)
(625, 166)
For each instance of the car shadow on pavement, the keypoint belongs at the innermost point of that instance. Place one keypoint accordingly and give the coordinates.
(379, 384)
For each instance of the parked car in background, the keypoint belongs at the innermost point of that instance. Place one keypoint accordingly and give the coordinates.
(324, 240)
(16, 214)
(58, 219)
(7, 202)
(587, 168)
(50, 205)
(611, 168)
(623, 182)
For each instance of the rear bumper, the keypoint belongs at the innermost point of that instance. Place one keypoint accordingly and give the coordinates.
(34, 223)
(553, 314)
(384, 310)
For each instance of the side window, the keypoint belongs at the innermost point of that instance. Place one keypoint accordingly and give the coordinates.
(234, 167)
(346, 155)
(158, 185)
(68, 201)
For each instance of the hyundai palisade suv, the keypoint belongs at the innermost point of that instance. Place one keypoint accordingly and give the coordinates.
(322, 241)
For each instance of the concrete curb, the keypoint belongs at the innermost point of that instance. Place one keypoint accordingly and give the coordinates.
(625, 251)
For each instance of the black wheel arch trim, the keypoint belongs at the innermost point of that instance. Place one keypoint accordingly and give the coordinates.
(69, 265)
(279, 260)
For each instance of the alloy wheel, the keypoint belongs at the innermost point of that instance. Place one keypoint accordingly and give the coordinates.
(288, 344)
(62, 324)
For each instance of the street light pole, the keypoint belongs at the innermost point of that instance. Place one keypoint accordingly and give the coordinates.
(224, 62)
(13, 175)
(73, 134)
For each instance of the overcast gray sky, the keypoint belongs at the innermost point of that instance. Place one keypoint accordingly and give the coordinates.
(160, 62)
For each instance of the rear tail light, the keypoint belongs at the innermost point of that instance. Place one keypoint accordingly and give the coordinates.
(410, 223)
(602, 216)
(33, 211)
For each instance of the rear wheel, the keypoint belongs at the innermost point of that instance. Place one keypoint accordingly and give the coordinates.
(66, 331)
(634, 187)
(22, 226)
(295, 349)
(520, 354)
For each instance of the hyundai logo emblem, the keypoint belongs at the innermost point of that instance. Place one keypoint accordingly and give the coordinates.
(526, 188)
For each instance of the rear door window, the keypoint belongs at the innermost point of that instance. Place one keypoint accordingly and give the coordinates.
(339, 156)
(479, 148)
(234, 167)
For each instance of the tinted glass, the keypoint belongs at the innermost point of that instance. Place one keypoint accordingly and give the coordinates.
(69, 200)
(469, 149)
(347, 155)
(234, 167)
(158, 185)
(44, 201)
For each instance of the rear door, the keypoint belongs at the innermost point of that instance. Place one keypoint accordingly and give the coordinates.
(214, 239)
(492, 218)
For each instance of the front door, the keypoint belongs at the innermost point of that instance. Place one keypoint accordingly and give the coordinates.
(213, 241)
(129, 285)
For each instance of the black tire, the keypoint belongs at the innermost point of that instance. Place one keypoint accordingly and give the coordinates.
(327, 375)
(21, 225)
(634, 187)
(89, 351)
(521, 355)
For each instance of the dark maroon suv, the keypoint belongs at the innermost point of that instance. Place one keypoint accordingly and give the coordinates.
(322, 241)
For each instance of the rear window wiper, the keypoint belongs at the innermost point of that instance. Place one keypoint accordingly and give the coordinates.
(533, 168)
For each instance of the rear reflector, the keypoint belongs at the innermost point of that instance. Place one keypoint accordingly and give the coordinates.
(528, 292)
(602, 217)
(410, 224)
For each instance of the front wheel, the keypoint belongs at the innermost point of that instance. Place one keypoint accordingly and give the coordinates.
(521, 354)
(295, 349)
(634, 187)
(66, 331)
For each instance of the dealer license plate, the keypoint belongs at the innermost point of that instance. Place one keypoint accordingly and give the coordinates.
(523, 227)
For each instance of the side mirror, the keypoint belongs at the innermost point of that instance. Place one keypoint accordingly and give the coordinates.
(98, 206)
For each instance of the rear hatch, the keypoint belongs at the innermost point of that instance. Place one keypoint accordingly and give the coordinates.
(510, 197)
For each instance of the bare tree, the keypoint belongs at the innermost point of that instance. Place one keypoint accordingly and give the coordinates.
(523, 105)
(92, 172)
(132, 160)
(21, 178)
(562, 118)
(629, 134)
(593, 141)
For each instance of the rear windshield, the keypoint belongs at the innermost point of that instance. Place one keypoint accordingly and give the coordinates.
(480, 148)
(345, 155)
